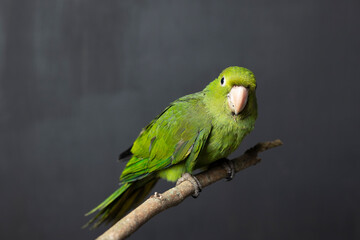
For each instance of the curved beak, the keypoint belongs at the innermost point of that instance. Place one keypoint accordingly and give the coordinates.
(237, 99)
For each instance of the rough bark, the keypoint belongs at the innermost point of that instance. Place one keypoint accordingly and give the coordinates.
(174, 196)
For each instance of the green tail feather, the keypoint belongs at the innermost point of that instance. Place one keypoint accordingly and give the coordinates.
(127, 197)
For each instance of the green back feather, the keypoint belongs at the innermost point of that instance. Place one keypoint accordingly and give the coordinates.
(169, 139)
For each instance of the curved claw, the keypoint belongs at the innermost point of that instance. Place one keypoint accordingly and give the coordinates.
(230, 168)
(194, 181)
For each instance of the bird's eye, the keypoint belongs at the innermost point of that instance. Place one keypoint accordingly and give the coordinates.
(222, 82)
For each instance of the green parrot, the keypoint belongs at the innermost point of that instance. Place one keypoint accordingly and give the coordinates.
(191, 133)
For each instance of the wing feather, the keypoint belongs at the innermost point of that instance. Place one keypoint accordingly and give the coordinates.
(177, 134)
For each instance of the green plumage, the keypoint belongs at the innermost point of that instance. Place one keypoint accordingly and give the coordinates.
(191, 133)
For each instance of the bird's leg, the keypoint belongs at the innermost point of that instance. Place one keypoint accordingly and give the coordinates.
(195, 182)
(228, 165)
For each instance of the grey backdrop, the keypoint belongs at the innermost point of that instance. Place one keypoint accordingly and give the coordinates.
(79, 79)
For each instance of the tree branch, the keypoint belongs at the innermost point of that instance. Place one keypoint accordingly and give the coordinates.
(172, 197)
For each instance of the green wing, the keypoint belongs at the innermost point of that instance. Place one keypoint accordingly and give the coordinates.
(178, 134)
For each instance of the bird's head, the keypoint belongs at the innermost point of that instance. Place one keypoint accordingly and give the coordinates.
(232, 91)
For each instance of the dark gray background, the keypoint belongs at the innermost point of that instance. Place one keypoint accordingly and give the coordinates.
(79, 79)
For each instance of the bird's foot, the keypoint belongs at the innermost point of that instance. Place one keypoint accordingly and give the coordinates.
(195, 182)
(229, 166)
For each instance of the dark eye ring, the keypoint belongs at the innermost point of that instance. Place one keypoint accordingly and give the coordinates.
(222, 82)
